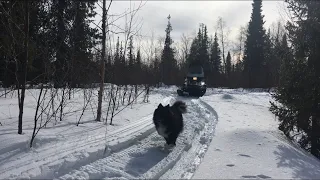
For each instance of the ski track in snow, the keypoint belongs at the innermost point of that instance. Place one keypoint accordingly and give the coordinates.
(185, 168)
(69, 158)
(132, 151)
(88, 149)
(148, 159)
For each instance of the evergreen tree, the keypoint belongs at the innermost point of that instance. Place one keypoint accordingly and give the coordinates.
(204, 49)
(215, 62)
(199, 50)
(168, 62)
(254, 54)
(138, 60)
(216, 56)
(138, 67)
(117, 53)
(12, 35)
(270, 65)
(116, 62)
(82, 40)
(39, 58)
(122, 66)
(61, 17)
(194, 51)
(157, 70)
(130, 53)
(299, 91)
(130, 68)
(228, 65)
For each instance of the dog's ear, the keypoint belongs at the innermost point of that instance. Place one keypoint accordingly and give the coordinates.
(160, 106)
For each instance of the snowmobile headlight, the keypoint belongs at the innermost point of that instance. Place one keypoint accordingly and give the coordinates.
(194, 78)
(202, 83)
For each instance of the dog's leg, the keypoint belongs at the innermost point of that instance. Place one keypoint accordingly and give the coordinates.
(167, 140)
(172, 139)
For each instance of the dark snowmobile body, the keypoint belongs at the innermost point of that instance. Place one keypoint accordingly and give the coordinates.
(194, 84)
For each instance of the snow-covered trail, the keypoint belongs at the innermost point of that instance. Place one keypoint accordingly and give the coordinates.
(54, 158)
(148, 160)
(228, 134)
(53, 155)
(134, 150)
(247, 143)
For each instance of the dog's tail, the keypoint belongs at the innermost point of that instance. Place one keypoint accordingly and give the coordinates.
(180, 106)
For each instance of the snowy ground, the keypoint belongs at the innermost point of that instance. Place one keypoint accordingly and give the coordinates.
(134, 149)
(228, 134)
(247, 143)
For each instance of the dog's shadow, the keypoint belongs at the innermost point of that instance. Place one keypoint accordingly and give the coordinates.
(141, 162)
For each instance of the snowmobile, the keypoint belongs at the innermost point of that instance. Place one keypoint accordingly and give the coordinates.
(194, 83)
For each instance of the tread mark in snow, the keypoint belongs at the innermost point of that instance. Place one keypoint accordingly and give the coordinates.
(245, 155)
(263, 176)
(249, 176)
(147, 160)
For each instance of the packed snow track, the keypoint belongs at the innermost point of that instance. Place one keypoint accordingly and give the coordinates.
(145, 156)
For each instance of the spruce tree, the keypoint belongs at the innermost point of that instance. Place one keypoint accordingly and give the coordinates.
(228, 65)
(122, 66)
(194, 51)
(61, 16)
(138, 67)
(116, 63)
(298, 94)
(270, 66)
(204, 47)
(168, 62)
(254, 54)
(130, 68)
(215, 62)
(82, 40)
(199, 50)
(130, 54)
(215, 56)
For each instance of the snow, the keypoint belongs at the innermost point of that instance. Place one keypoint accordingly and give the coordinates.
(228, 134)
(247, 143)
(147, 158)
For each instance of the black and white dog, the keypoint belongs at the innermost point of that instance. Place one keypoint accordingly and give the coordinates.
(168, 121)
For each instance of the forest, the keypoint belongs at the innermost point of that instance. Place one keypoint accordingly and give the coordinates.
(55, 44)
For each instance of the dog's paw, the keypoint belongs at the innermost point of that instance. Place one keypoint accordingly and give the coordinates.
(169, 146)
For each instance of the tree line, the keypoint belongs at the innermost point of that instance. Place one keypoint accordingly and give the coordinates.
(60, 42)
(53, 42)
(64, 50)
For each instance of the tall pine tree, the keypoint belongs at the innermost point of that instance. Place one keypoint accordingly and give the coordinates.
(254, 54)
(168, 62)
(138, 68)
(215, 62)
(130, 68)
(228, 66)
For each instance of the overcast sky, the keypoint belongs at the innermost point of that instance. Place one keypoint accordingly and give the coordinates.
(187, 15)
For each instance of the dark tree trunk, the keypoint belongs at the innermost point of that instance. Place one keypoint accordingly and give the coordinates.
(24, 64)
